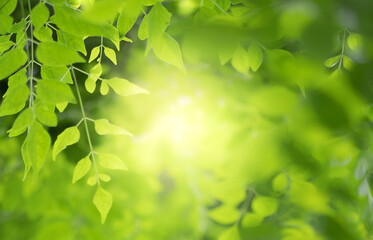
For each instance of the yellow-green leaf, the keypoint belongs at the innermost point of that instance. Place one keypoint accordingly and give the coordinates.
(103, 201)
(21, 123)
(11, 61)
(39, 15)
(255, 56)
(92, 180)
(264, 206)
(104, 88)
(110, 53)
(103, 127)
(158, 20)
(111, 161)
(230, 234)
(251, 220)
(16, 95)
(168, 50)
(56, 73)
(54, 92)
(94, 53)
(124, 87)
(81, 169)
(68, 137)
(45, 113)
(128, 17)
(57, 54)
(224, 214)
(94, 74)
(240, 60)
(37, 144)
(143, 32)
(104, 177)
(331, 62)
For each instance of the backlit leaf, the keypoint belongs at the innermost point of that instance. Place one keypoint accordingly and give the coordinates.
(57, 54)
(168, 50)
(111, 161)
(264, 206)
(224, 214)
(21, 123)
(331, 62)
(158, 20)
(128, 17)
(5, 23)
(143, 32)
(37, 144)
(104, 88)
(45, 113)
(39, 15)
(68, 137)
(124, 87)
(240, 60)
(110, 53)
(56, 73)
(72, 41)
(230, 234)
(255, 56)
(16, 95)
(81, 169)
(103, 127)
(94, 53)
(11, 61)
(94, 74)
(103, 201)
(54, 92)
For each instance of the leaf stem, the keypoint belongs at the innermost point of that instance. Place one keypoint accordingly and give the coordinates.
(88, 74)
(31, 68)
(85, 122)
(343, 49)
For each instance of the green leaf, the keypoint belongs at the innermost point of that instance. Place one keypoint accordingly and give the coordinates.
(17, 27)
(67, 19)
(103, 202)
(45, 113)
(39, 15)
(103, 11)
(111, 161)
(110, 53)
(347, 63)
(143, 32)
(255, 56)
(61, 106)
(128, 17)
(230, 234)
(240, 60)
(37, 144)
(81, 169)
(56, 73)
(168, 50)
(264, 206)
(125, 88)
(355, 41)
(92, 180)
(251, 220)
(54, 92)
(331, 62)
(44, 34)
(73, 41)
(224, 214)
(26, 158)
(203, 15)
(57, 54)
(280, 183)
(158, 20)
(16, 95)
(5, 46)
(94, 74)
(103, 127)
(21, 123)
(104, 177)
(11, 61)
(94, 53)
(104, 89)
(7, 6)
(68, 137)
(5, 23)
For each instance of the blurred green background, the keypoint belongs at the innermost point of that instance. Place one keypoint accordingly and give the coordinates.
(221, 152)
